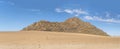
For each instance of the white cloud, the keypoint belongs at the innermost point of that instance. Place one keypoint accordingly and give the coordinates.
(69, 11)
(75, 12)
(78, 12)
(96, 18)
(88, 17)
(34, 10)
(7, 2)
(58, 10)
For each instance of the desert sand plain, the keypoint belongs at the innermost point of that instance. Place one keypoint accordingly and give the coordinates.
(56, 40)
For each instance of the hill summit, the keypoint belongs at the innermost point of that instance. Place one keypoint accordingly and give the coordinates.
(74, 24)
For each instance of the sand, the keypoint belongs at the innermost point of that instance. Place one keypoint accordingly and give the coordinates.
(56, 40)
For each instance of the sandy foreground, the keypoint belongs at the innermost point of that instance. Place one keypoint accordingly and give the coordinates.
(54, 40)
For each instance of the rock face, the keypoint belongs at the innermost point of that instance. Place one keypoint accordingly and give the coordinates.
(71, 25)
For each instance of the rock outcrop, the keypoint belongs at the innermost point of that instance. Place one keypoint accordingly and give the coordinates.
(73, 25)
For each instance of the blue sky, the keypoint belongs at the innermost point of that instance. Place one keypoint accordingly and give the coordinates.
(17, 14)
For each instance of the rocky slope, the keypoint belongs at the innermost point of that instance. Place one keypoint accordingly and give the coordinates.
(70, 25)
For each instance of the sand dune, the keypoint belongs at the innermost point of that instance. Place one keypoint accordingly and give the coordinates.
(54, 40)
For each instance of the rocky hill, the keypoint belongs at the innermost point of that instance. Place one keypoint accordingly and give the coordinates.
(70, 25)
